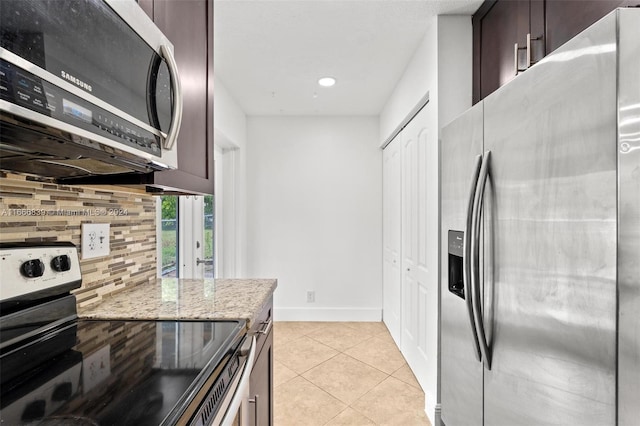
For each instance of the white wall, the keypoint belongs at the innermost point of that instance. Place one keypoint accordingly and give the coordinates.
(314, 191)
(455, 55)
(419, 77)
(230, 136)
(454, 63)
(229, 120)
(442, 66)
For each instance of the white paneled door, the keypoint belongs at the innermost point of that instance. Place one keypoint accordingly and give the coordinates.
(415, 229)
(391, 238)
(415, 283)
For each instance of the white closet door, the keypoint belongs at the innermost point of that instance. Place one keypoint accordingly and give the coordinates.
(391, 238)
(419, 251)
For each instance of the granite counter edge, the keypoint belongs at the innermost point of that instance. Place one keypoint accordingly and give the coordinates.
(100, 310)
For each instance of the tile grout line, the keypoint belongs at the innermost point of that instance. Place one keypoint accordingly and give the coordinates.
(328, 359)
(350, 356)
(385, 375)
(348, 405)
(340, 350)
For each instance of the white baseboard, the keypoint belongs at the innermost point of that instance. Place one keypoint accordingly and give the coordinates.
(438, 416)
(430, 409)
(327, 314)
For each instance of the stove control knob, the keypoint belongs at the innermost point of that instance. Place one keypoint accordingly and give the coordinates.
(61, 263)
(34, 410)
(32, 268)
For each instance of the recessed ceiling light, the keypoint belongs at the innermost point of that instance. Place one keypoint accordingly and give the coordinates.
(327, 81)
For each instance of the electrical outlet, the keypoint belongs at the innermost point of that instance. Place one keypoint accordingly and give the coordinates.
(95, 368)
(95, 240)
(311, 296)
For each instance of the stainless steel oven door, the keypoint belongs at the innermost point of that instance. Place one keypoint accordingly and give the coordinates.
(234, 410)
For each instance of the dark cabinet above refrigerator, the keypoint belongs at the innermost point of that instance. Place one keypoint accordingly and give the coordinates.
(537, 27)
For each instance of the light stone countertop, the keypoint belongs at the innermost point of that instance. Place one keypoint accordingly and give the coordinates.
(174, 298)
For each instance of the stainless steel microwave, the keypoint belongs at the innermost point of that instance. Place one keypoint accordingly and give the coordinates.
(87, 87)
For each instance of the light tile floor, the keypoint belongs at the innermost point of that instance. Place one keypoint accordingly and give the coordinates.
(342, 373)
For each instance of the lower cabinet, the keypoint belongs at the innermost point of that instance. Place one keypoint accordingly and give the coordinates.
(261, 381)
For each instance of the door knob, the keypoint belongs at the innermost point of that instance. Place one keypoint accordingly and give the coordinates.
(205, 261)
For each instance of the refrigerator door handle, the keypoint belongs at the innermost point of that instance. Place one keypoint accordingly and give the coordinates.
(466, 257)
(475, 260)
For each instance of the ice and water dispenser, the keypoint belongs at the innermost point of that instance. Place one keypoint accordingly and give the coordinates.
(456, 283)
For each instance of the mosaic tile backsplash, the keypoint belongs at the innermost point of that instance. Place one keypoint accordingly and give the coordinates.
(33, 209)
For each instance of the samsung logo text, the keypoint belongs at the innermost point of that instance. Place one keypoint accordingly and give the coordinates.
(76, 81)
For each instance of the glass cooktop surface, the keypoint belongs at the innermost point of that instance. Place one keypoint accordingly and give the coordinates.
(108, 372)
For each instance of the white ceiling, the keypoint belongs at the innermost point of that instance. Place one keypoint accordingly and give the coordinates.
(270, 53)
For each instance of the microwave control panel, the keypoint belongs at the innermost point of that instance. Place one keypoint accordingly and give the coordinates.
(26, 90)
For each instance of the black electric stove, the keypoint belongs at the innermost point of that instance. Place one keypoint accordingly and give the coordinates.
(57, 369)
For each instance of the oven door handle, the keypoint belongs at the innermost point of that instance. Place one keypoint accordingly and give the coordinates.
(242, 391)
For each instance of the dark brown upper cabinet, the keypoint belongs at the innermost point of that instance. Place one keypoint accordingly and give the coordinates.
(511, 35)
(189, 26)
(566, 18)
(500, 32)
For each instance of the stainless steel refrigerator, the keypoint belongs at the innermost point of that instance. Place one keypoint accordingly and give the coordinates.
(540, 241)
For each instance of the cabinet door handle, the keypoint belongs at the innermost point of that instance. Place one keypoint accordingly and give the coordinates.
(517, 48)
(254, 401)
(176, 116)
(266, 326)
(530, 61)
(516, 63)
(528, 50)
